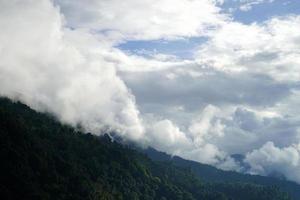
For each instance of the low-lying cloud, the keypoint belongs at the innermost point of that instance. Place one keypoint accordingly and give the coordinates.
(53, 68)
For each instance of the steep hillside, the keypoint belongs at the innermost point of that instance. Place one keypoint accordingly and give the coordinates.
(212, 174)
(43, 159)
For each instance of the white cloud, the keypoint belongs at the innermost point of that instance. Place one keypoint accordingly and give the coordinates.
(55, 69)
(147, 19)
(270, 159)
(271, 48)
(164, 135)
(207, 125)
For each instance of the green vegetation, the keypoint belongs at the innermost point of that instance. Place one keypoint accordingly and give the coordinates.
(211, 174)
(43, 159)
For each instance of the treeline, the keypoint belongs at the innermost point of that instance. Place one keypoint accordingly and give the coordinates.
(43, 159)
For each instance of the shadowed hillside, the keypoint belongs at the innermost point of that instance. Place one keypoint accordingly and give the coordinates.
(43, 159)
(212, 174)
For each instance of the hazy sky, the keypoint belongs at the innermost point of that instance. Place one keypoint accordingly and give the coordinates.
(202, 79)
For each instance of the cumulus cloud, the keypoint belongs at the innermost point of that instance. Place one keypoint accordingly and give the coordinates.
(207, 124)
(148, 19)
(270, 48)
(246, 130)
(270, 159)
(164, 135)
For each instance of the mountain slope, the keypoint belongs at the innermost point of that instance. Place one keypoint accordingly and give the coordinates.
(43, 159)
(212, 174)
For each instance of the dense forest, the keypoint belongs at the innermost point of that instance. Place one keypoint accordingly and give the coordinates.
(44, 159)
(211, 174)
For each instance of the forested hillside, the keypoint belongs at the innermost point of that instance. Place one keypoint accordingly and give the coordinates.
(211, 174)
(43, 159)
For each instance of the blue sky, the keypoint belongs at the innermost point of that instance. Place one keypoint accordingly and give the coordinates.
(263, 11)
(182, 48)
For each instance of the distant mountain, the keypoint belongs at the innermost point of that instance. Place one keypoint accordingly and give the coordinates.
(43, 159)
(240, 159)
(211, 174)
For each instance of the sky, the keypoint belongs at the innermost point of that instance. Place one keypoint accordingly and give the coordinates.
(201, 79)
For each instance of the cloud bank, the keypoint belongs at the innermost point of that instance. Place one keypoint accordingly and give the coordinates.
(53, 68)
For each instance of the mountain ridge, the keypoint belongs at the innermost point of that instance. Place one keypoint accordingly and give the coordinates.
(212, 174)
